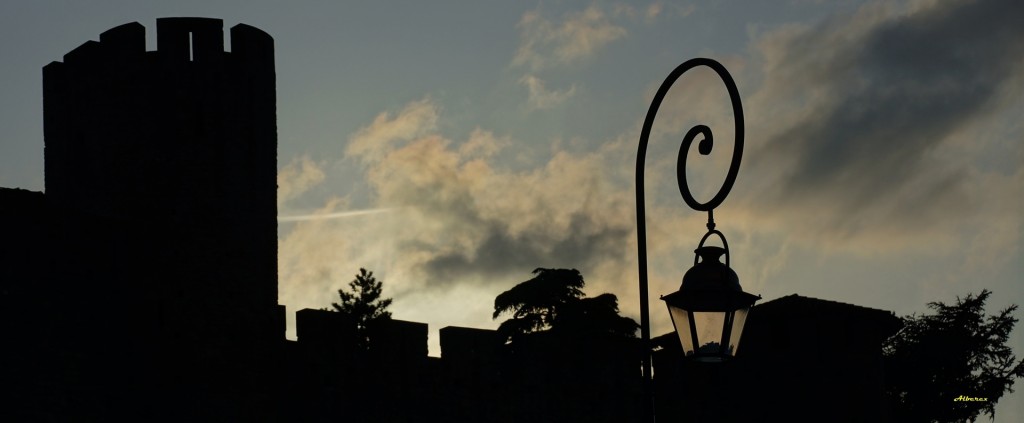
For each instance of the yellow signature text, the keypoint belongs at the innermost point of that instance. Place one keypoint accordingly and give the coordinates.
(967, 398)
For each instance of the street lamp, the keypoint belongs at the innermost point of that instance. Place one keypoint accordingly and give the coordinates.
(710, 308)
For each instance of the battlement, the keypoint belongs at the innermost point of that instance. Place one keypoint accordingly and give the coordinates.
(122, 123)
(179, 40)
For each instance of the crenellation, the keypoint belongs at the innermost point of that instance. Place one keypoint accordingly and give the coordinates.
(252, 45)
(126, 40)
(190, 39)
(197, 40)
(83, 54)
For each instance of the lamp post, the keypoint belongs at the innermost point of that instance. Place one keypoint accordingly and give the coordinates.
(710, 308)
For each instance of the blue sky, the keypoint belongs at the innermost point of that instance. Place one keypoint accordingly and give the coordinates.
(453, 147)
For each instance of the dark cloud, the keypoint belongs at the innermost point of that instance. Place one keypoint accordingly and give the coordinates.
(888, 91)
(583, 245)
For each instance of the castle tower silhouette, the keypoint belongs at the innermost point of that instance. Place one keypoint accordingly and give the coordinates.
(176, 149)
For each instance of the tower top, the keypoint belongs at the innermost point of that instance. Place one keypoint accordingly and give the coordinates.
(180, 132)
(178, 40)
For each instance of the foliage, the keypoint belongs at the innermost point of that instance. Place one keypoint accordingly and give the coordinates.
(553, 300)
(364, 303)
(952, 365)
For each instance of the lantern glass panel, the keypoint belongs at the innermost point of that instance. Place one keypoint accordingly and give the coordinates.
(739, 318)
(681, 320)
(709, 325)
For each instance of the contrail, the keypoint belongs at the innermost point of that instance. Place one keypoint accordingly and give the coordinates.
(336, 215)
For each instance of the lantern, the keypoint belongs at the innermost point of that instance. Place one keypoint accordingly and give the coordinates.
(710, 308)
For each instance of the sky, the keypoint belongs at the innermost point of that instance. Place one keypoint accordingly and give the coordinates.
(453, 147)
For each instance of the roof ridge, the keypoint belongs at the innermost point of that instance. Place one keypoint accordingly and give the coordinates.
(795, 296)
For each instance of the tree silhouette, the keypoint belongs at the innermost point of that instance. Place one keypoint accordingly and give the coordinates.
(952, 365)
(363, 304)
(553, 300)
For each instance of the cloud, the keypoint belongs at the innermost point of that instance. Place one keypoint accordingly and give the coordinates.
(653, 10)
(540, 97)
(656, 10)
(370, 142)
(483, 144)
(473, 219)
(579, 36)
(307, 260)
(855, 115)
(296, 178)
(545, 45)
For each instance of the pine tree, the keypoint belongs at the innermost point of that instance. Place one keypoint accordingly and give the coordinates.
(952, 365)
(364, 304)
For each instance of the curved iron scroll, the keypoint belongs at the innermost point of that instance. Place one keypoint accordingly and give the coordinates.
(707, 143)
